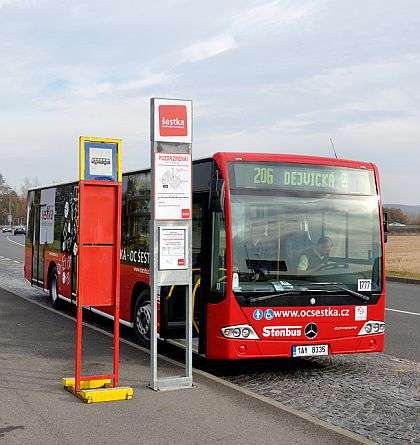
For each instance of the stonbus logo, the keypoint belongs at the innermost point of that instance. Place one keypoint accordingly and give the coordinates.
(282, 331)
(173, 120)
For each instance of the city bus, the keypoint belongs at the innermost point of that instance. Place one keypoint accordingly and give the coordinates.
(287, 256)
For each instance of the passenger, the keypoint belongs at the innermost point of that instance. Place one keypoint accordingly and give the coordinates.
(315, 258)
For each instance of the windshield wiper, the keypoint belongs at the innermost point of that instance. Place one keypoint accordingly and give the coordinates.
(345, 289)
(268, 297)
(300, 292)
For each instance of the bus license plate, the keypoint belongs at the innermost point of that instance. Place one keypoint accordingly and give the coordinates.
(310, 350)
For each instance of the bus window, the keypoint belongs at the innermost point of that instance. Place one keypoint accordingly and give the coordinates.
(361, 240)
(334, 226)
(196, 235)
(218, 254)
(138, 223)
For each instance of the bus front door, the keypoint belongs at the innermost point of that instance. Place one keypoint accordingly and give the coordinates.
(37, 250)
(172, 298)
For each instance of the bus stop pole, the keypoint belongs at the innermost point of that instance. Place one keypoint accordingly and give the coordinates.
(170, 223)
(153, 296)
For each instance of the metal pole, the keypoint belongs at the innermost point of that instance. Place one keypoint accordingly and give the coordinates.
(153, 268)
(78, 347)
(160, 225)
(10, 210)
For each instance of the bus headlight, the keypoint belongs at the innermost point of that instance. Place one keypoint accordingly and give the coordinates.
(246, 332)
(236, 332)
(372, 327)
(242, 331)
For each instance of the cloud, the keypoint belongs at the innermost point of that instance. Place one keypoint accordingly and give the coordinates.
(17, 3)
(150, 80)
(279, 14)
(209, 48)
(291, 74)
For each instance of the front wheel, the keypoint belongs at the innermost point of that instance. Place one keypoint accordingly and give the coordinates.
(143, 318)
(54, 299)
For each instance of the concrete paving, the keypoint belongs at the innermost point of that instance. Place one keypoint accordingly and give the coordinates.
(37, 349)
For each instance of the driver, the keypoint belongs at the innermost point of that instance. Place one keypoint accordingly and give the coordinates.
(315, 258)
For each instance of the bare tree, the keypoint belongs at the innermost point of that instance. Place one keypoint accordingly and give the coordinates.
(28, 184)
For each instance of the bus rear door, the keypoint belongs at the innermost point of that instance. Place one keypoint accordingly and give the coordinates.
(37, 250)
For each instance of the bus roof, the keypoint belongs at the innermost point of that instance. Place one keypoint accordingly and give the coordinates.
(292, 158)
(226, 156)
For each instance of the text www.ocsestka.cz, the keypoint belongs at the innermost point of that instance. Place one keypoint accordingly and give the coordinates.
(295, 313)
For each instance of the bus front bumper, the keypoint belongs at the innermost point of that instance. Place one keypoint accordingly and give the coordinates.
(231, 349)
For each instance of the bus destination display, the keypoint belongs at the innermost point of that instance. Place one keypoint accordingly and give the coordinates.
(301, 177)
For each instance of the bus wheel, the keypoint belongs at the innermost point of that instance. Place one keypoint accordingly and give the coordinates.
(143, 318)
(55, 301)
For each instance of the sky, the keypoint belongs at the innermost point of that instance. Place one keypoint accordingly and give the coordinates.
(282, 76)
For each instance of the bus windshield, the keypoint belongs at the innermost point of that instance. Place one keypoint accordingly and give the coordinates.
(307, 240)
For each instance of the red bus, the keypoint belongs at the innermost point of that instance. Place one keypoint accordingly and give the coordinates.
(287, 256)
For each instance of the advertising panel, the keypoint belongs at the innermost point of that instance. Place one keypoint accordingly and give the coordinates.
(46, 235)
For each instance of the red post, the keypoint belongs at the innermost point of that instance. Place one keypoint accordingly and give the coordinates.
(116, 343)
(100, 205)
(79, 326)
(117, 286)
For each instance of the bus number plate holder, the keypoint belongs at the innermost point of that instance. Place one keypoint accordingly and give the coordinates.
(309, 350)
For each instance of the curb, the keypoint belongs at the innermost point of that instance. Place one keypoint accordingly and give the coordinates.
(403, 280)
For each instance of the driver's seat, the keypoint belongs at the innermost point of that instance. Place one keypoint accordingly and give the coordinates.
(292, 245)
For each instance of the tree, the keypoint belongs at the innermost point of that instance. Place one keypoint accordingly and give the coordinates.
(26, 185)
(13, 203)
(5, 200)
(4, 188)
(397, 215)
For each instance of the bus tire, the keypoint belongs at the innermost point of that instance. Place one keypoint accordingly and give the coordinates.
(143, 318)
(54, 299)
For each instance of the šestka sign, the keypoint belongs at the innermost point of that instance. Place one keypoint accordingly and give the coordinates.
(172, 120)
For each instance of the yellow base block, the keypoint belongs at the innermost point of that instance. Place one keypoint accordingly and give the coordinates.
(106, 394)
(86, 384)
(93, 391)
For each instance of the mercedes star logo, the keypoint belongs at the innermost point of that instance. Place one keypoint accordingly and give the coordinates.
(311, 330)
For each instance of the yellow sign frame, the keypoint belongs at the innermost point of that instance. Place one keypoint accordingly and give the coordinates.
(82, 164)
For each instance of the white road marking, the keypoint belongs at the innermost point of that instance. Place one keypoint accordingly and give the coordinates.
(9, 259)
(402, 312)
(15, 242)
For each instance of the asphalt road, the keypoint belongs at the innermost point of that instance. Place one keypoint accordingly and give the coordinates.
(402, 321)
(12, 246)
(402, 315)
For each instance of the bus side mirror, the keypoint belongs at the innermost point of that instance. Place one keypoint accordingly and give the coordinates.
(216, 194)
(385, 222)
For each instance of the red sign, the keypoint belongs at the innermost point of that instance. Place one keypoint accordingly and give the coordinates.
(181, 262)
(173, 120)
(185, 213)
